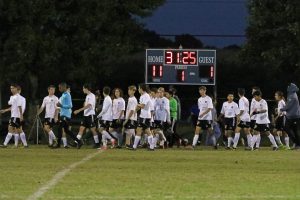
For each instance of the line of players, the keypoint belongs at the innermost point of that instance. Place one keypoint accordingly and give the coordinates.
(158, 112)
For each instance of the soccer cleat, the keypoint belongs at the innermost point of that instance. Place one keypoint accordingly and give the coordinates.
(25, 147)
(234, 148)
(287, 148)
(131, 148)
(228, 148)
(118, 147)
(66, 147)
(96, 146)
(113, 143)
(79, 144)
(255, 149)
(275, 148)
(281, 146)
(3, 146)
(249, 149)
(55, 142)
(216, 147)
(150, 149)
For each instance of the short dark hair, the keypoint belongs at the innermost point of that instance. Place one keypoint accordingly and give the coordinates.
(279, 93)
(87, 86)
(255, 88)
(202, 88)
(14, 85)
(154, 90)
(63, 84)
(132, 87)
(241, 91)
(106, 90)
(257, 93)
(143, 86)
(51, 86)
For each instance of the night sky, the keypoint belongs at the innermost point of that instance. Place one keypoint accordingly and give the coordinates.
(201, 17)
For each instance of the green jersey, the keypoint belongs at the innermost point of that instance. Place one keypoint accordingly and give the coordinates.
(173, 108)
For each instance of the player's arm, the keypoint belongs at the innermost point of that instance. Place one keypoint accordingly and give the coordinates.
(21, 113)
(5, 110)
(82, 109)
(104, 110)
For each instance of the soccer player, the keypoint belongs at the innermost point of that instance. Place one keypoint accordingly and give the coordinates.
(243, 119)
(131, 116)
(118, 110)
(88, 115)
(230, 111)
(105, 118)
(51, 114)
(262, 120)
(280, 121)
(205, 106)
(253, 118)
(145, 117)
(65, 105)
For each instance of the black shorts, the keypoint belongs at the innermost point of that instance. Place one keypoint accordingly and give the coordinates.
(252, 124)
(243, 124)
(280, 123)
(15, 122)
(104, 124)
(159, 124)
(65, 120)
(144, 123)
(204, 124)
(230, 124)
(88, 121)
(49, 121)
(131, 124)
(262, 127)
(115, 124)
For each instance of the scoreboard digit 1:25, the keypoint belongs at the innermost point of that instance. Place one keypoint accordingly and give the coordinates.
(180, 66)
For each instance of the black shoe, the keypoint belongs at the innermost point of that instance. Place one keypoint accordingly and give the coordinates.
(66, 147)
(275, 148)
(131, 148)
(216, 147)
(79, 144)
(25, 147)
(150, 149)
(96, 146)
(118, 147)
(3, 146)
(228, 148)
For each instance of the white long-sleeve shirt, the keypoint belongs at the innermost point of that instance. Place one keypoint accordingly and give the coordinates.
(106, 113)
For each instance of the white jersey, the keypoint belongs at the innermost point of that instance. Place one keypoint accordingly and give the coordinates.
(15, 103)
(230, 110)
(205, 103)
(162, 109)
(23, 102)
(281, 104)
(262, 118)
(244, 106)
(106, 113)
(146, 111)
(131, 106)
(152, 108)
(50, 105)
(118, 107)
(252, 107)
(90, 99)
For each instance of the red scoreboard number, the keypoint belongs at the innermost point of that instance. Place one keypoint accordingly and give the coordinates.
(181, 57)
(157, 70)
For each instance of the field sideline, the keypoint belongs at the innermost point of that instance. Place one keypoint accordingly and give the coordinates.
(163, 174)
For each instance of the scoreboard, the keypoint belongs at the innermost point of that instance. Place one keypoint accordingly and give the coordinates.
(180, 66)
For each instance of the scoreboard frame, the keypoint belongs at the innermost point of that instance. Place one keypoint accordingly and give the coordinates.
(213, 83)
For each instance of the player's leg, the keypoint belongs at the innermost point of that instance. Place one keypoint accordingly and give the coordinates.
(10, 134)
(67, 130)
(286, 140)
(272, 139)
(137, 137)
(22, 136)
(197, 133)
(150, 138)
(248, 135)
(277, 134)
(96, 137)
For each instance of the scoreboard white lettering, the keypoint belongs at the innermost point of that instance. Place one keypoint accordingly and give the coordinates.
(180, 66)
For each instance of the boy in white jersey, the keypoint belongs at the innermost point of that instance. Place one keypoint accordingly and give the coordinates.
(51, 114)
(105, 118)
(204, 122)
(243, 119)
(253, 117)
(280, 121)
(262, 120)
(88, 115)
(118, 110)
(230, 111)
(145, 117)
(131, 116)
(16, 115)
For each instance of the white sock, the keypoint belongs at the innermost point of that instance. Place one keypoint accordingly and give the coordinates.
(272, 140)
(155, 139)
(106, 134)
(7, 139)
(236, 139)
(64, 140)
(50, 139)
(195, 140)
(136, 141)
(229, 141)
(258, 141)
(96, 139)
(52, 135)
(104, 141)
(253, 141)
(23, 138)
(16, 137)
(287, 141)
(249, 139)
(151, 141)
(277, 138)
(79, 137)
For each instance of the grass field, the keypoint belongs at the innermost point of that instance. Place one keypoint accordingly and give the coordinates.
(42, 173)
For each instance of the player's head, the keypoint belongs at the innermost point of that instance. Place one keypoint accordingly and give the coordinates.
(51, 89)
(279, 96)
(161, 92)
(169, 94)
(62, 87)
(19, 89)
(86, 88)
(154, 92)
(257, 95)
(14, 88)
(117, 93)
(202, 90)
(106, 91)
(241, 92)
(131, 90)
(142, 88)
(230, 96)
(255, 88)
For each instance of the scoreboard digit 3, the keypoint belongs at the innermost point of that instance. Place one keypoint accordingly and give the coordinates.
(180, 66)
